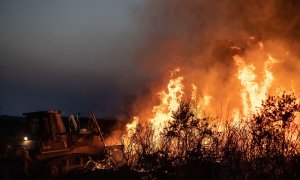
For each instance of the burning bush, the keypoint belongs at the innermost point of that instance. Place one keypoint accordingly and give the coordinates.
(185, 139)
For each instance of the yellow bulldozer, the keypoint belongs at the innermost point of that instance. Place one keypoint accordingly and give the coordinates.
(52, 149)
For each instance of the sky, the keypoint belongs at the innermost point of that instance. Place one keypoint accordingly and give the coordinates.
(70, 55)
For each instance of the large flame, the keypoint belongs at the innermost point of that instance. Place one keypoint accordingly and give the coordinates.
(169, 102)
(252, 93)
(162, 113)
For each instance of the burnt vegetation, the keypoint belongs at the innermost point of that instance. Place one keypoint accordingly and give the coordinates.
(266, 146)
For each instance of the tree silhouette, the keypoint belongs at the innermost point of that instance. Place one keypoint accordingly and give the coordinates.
(270, 125)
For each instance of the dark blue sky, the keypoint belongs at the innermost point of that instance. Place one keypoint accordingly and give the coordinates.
(71, 55)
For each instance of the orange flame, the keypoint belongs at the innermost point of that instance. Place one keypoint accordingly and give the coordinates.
(253, 93)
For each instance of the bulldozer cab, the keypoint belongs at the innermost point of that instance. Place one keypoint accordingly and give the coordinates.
(47, 128)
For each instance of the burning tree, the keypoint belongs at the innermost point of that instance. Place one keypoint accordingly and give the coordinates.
(270, 125)
(188, 136)
(270, 128)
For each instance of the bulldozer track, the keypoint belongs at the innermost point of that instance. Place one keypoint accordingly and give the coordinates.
(57, 167)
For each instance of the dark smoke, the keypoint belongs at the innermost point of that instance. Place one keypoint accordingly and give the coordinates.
(193, 26)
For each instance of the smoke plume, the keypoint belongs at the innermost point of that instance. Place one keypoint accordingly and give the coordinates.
(201, 36)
